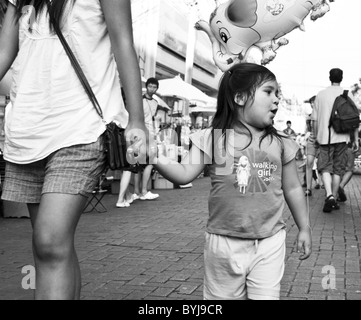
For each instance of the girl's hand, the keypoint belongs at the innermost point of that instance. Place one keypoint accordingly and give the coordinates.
(304, 243)
(153, 151)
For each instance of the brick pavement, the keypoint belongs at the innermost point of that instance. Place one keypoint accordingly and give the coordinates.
(154, 250)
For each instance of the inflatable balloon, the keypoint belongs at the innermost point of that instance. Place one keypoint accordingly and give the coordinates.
(238, 25)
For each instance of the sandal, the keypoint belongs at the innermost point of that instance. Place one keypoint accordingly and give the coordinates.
(123, 204)
(149, 196)
(330, 204)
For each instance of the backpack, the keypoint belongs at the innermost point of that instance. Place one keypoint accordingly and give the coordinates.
(345, 115)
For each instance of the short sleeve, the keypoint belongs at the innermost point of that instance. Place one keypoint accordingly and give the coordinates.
(290, 150)
(203, 140)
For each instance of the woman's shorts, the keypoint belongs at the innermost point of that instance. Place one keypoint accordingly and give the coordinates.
(237, 269)
(71, 170)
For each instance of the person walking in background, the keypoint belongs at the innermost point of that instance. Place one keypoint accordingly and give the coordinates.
(125, 197)
(333, 146)
(350, 163)
(289, 131)
(150, 107)
(346, 178)
(311, 152)
(245, 237)
(53, 135)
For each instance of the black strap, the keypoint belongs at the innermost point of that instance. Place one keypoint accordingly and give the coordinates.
(345, 95)
(75, 63)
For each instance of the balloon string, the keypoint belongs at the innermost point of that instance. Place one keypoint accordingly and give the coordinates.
(307, 197)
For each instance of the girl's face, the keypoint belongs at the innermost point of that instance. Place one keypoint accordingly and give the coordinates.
(260, 112)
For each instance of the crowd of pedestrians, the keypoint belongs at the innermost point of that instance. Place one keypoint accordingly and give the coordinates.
(329, 156)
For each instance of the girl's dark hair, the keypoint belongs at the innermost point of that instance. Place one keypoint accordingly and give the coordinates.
(57, 7)
(242, 79)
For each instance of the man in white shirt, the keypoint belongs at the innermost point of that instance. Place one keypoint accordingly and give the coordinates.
(333, 146)
(150, 107)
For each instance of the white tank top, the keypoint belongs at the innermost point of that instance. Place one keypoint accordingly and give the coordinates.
(50, 109)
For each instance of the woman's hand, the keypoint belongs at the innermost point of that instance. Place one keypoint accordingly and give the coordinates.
(137, 137)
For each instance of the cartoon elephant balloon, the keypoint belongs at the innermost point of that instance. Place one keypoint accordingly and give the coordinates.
(238, 25)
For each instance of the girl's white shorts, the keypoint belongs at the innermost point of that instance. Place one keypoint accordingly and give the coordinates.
(240, 269)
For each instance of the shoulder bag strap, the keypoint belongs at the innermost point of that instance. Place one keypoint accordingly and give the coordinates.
(75, 63)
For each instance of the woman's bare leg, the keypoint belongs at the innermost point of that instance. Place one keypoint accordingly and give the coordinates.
(54, 223)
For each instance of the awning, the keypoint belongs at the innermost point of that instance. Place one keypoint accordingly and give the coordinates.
(176, 87)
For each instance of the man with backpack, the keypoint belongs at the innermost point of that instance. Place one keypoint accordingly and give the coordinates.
(333, 144)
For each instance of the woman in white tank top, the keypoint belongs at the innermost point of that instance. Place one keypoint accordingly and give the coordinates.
(53, 145)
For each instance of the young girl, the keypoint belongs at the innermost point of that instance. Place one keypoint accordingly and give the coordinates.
(245, 239)
(53, 135)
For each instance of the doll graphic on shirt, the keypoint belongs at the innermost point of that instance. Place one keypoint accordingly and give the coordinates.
(243, 173)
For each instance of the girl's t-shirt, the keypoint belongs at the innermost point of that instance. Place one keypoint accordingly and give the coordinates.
(246, 198)
(49, 108)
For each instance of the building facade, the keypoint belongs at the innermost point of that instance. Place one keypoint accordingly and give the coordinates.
(168, 45)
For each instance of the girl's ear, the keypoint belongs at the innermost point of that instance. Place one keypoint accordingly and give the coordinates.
(240, 99)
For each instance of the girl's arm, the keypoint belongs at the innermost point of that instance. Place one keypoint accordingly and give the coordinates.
(118, 18)
(182, 173)
(296, 202)
(9, 40)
